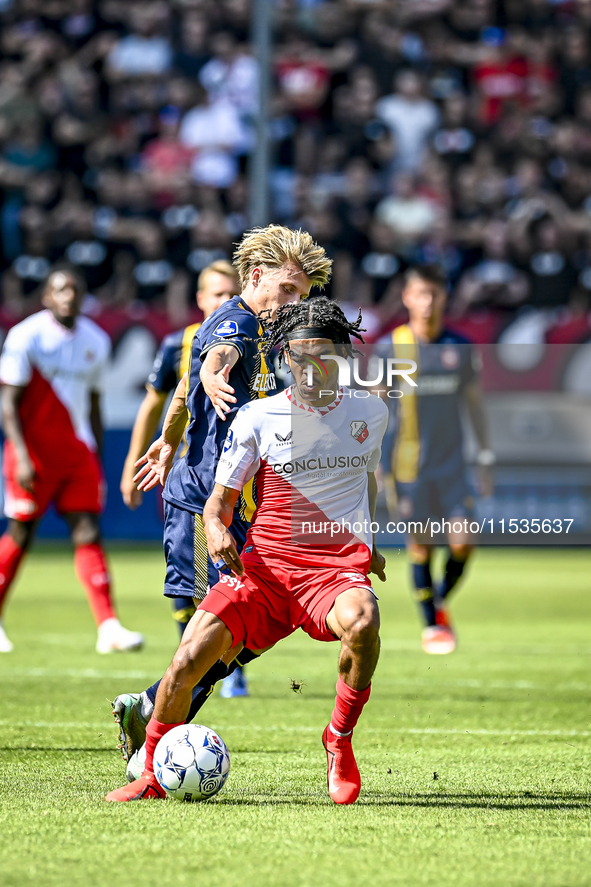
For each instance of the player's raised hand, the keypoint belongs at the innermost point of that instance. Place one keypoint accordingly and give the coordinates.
(25, 472)
(218, 389)
(154, 465)
(222, 547)
(378, 564)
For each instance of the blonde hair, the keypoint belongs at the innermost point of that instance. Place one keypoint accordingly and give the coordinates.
(276, 246)
(222, 266)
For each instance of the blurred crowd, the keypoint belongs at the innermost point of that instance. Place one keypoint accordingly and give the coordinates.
(402, 131)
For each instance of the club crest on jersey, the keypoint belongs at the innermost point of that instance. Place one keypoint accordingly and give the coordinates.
(283, 441)
(359, 431)
(226, 328)
(89, 355)
(228, 441)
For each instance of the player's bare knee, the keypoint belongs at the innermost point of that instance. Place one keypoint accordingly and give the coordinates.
(361, 621)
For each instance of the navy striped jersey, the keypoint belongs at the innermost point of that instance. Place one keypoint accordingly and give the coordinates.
(172, 360)
(191, 479)
(428, 427)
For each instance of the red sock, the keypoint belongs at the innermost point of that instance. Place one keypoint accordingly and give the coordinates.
(93, 574)
(154, 733)
(348, 707)
(10, 558)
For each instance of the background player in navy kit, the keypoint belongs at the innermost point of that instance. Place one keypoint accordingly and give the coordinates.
(217, 283)
(428, 467)
(276, 266)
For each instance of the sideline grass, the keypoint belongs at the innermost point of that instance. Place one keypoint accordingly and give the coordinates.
(504, 723)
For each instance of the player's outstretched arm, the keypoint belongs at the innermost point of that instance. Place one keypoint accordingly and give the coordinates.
(215, 374)
(9, 400)
(143, 431)
(217, 517)
(378, 561)
(154, 466)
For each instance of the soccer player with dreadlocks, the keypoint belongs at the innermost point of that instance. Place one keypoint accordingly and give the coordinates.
(277, 267)
(312, 451)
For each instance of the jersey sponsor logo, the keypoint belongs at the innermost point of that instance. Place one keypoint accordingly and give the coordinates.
(283, 441)
(321, 464)
(232, 581)
(226, 328)
(264, 382)
(448, 384)
(355, 577)
(359, 431)
(228, 441)
(450, 357)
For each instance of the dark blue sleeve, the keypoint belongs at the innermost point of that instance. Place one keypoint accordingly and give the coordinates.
(234, 329)
(163, 376)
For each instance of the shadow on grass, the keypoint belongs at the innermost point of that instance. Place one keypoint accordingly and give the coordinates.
(53, 748)
(517, 801)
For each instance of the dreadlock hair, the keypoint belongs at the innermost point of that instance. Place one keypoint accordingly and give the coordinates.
(317, 312)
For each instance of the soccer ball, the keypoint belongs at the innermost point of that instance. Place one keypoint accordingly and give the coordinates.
(191, 762)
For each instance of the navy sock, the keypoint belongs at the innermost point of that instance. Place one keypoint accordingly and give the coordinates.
(453, 571)
(183, 609)
(423, 591)
(216, 673)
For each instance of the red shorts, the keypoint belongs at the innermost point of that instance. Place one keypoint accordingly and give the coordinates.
(272, 599)
(77, 485)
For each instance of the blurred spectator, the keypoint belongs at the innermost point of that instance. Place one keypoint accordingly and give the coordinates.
(146, 50)
(495, 281)
(411, 117)
(409, 214)
(125, 130)
(216, 135)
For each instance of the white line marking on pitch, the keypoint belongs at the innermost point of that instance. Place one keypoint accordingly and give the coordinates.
(303, 729)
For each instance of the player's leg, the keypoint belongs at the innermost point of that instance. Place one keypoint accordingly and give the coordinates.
(457, 560)
(355, 620)
(182, 612)
(93, 574)
(14, 544)
(205, 640)
(420, 556)
(189, 573)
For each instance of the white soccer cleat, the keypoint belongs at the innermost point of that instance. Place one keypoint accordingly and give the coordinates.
(5, 644)
(438, 640)
(136, 764)
(113, 638)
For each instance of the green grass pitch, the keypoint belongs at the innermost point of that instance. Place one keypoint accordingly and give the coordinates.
(475, 766)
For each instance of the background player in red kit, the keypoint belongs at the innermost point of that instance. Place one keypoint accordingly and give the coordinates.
(312, 451)
(51, 372)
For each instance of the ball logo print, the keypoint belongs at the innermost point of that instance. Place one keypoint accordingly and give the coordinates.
(359, 431)
(191, 762)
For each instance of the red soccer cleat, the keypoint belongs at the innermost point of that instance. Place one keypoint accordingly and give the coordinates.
(147, 786)
(438, 640)
(442, 617)
(344, 781)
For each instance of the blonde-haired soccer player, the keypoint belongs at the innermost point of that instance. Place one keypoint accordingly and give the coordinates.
(228, 368)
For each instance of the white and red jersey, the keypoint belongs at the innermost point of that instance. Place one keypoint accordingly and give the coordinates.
(58, 369)
(310, 467)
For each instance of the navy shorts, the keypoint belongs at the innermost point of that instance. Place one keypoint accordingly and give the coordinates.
(439, 498)
(189, 570)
